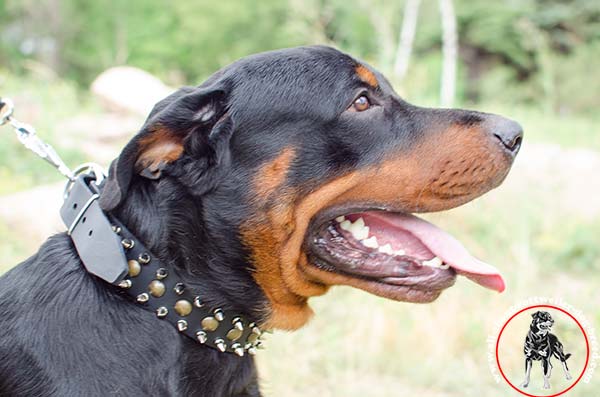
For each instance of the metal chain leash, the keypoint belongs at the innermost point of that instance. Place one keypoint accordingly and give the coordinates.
(27, 136)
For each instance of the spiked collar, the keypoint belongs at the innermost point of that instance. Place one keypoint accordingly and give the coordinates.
(111, 252)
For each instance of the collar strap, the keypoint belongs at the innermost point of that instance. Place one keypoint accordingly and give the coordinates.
(111, 252)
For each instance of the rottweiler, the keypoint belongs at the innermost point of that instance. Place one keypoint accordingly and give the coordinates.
(283, 174)
(541, 345)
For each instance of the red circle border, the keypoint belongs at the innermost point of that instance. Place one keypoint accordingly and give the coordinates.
(587, 345)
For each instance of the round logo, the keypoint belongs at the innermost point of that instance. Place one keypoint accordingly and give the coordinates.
(542, 351)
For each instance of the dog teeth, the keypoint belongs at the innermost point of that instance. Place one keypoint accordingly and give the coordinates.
(399, 253)
(345, 225)
(435, 262)
(359, 230)
(340, 219)
(386, 249)
(371, 242)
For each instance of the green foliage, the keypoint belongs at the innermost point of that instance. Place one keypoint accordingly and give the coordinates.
(528, 51)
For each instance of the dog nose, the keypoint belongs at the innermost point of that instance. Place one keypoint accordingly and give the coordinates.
(509, 133)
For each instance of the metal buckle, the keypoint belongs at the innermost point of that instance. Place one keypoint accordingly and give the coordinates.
(96, 172)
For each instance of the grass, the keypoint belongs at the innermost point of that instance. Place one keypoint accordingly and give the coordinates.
(359, 344)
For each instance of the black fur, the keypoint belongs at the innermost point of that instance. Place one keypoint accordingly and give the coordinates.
(65, 333)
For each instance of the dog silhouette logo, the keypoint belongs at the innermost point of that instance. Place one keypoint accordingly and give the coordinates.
(542, 345)
(533, 340)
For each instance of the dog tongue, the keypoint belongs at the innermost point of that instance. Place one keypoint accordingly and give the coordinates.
(446, 247)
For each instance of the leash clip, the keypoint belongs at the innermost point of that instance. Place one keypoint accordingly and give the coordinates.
(27, 136)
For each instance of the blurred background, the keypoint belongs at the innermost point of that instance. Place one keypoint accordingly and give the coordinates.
(535, 61)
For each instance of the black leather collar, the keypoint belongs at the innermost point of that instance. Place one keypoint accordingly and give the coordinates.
(111, 252)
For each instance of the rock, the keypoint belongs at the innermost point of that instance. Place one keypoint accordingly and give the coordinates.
(129, 89)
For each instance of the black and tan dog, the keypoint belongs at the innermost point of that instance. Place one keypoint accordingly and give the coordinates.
(283, 174)
(541, 345)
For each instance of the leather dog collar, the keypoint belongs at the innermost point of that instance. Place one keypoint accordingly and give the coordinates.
(111, 252)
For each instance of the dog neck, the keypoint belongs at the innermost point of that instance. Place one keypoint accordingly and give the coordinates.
(173, 225)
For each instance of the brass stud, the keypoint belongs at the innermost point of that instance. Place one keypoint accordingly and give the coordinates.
(209, 323)
(144, 258)
(161, 273)
(201, 336)
(134, 267)
(219, 315)
(125, 284)
(179, 288)
(221, 345)
(252, 338)
(156, 288)
(143, 297)
(198, 302)
(238, 349)
(234, 334)
(162, 312)
(182, 325)
(127, 243)
(183, 307)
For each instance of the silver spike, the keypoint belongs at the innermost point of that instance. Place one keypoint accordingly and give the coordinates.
(221, 345)
(219, 315)
(198, 302)
(162, 312)
(116, 229)
(161, 273)
(125, 284)
(201, 336)
(182, 325)
(127, 243)
(143, 297)
(144, 258)
(238, 349)
(252, 351)
(179, 288)
(237, 323)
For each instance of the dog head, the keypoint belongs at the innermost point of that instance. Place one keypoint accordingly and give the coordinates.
(542, 322)
(306, 164)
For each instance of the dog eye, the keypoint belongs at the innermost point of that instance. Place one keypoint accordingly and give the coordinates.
(361, 104)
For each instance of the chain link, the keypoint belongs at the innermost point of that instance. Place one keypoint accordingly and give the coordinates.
(27, 136)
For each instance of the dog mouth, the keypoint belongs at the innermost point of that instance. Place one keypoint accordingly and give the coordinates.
(393, 254)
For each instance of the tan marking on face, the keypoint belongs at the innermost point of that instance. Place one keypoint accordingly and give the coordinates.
(272, 175)
(160, 146)
(366, 76)
(274, 206)
(435, 174)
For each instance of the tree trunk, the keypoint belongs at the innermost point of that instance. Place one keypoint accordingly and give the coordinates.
(407, 35)
(449, 50)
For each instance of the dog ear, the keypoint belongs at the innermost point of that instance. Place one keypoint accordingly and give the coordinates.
(191, 122)
(536, 314)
